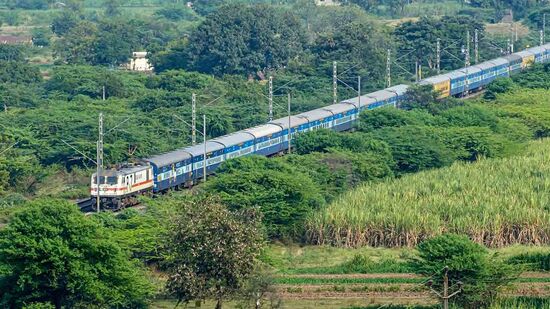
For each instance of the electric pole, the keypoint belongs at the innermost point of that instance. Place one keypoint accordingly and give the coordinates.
(445, 296)
(270, 98)
(467, 52)
(359, 91)
(335, 82)
(416, 71)
(541, 38)
(193, 119)
(388, 69)
(99, 161)
(438, 55)
(204, 142)
(103, 93)
(544, 28)
(289, 135)
(476, 46)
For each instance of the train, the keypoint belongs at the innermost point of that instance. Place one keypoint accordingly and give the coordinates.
(120, 187)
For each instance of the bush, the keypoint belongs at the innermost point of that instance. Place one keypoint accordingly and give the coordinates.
(473, 142)
(317, 141)
(482, 275)
(393, 117)
(416, 148)
(362, 264)
(500, 85)
(284, 195)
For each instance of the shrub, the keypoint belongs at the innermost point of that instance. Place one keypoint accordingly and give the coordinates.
(483, 277)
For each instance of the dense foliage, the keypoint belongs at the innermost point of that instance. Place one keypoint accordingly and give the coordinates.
(211, 251)
(482, 277)
(51, 253)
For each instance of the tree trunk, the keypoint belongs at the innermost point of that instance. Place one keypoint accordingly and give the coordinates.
(219, 304)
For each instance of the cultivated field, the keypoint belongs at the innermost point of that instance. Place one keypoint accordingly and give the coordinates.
(496, 202)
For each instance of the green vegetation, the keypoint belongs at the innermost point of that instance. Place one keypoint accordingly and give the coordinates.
(482, 277)
(536, 261)
(210, 252)
(50, 253)
(204, 244)
(495, 202)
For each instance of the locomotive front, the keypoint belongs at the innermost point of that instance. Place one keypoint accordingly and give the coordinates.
(120, 187)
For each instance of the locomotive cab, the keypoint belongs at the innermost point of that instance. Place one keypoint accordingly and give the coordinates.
(120, 187)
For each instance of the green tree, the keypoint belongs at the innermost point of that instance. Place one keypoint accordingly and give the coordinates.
(11, 53)
(30, 4)
(18, 73)
(500, 85)
(317, 141)
(87, 80)
(41, 37)
(357, 41)
(50, 252)
(418, 39)
(241, 40)
(483, 275)
(78, 45)
(112, 7)
(416, 148)
(116, 41)
(64, 22)
(284, 195)
(211, 251)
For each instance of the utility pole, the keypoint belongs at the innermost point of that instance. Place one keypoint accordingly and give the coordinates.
(541, 37)
(359, 91)
(289, 135)
(543, 28)
(467, 53)
(99, 161)
(476, 46)
(270, 98)
(193, 119)
(438, 55)
(204, 142)
(388, 69)
(335, 82)
(509, 47)
(416, 71)
(103, 93)
(515, 32)
(445, 296)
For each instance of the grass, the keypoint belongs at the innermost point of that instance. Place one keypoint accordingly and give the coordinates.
(293, 259)
(496, 202)
(350, 280)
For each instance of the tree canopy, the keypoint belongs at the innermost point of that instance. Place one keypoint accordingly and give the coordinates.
(240, 40)
(482, 275)
(50, 252)
(211, 251)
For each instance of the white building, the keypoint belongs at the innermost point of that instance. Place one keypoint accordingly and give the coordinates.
(326, 2)
(139, 62)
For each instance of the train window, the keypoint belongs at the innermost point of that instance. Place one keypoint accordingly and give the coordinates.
(112, 180)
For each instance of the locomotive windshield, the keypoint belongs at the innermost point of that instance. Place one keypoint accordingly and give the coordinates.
(111, 180)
